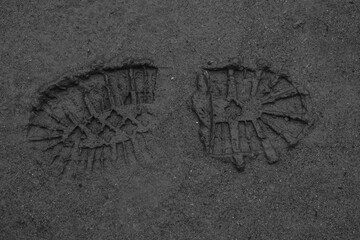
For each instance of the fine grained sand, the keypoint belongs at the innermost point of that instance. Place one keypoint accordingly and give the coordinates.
(312, 192)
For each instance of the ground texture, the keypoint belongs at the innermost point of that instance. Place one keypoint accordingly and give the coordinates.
(109, 127)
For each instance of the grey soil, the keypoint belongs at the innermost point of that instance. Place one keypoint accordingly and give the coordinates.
(102, 102)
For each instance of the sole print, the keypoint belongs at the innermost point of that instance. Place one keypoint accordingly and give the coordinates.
(97, 118)
(246, 112)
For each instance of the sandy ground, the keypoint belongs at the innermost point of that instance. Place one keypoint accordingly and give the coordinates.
(311, 193)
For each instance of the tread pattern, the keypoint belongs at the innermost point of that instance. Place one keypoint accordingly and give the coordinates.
(245, 112)
(97, 117)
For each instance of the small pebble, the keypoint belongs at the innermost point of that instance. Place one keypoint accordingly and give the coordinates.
(298, 24)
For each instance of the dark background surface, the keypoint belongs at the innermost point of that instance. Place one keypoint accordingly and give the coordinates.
(312, 193)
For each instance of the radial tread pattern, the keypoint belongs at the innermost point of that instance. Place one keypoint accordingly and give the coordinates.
(246, 112)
